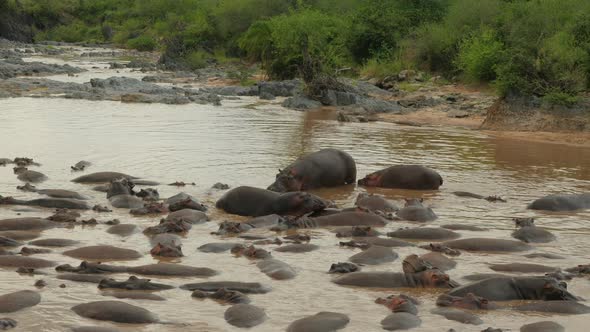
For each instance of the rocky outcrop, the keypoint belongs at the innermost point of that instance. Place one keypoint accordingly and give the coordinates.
(15, 26)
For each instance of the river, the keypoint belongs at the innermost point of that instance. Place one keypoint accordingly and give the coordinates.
(244, 142)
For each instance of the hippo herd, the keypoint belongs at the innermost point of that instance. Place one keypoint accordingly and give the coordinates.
(287, 208)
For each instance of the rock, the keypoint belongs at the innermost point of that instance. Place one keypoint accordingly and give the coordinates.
(300, 102)
(457, 114)
(279, 88)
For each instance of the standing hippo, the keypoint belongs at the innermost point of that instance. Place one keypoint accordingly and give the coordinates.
(324, 168)
(255, 202)
(562, 202)
(413, 177)
(517, 288)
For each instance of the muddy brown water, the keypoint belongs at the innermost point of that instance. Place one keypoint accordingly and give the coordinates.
(244, 142)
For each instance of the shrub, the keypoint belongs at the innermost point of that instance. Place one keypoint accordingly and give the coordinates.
(142, 43)
(479, 55)
(196, 59)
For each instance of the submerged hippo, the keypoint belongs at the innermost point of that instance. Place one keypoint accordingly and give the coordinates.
(424, 233)
(374, 255)
(338, 219)
(426, 279)
(182, 201)
(222, 295)
(91, 268)
(414, 210)
(102, 253)
(102, 177)
(485, 244)
(60, 203)
(414, 177)
(115, 311)
(557, 307)
(27, 175)
(25, 224)
(343, 268)
(255, 202)
(133, 283)
(544, 326)
(522, 268)
(16, 301)
(528, 232)
(399, 303)
(121, 194)
(26, 262)
(404, 311)
(324, 168)
(212, 286)
(320, 322)
(188, 215)
(477, 196)
(373, 202)
(517, 288)
(244, 315)
(457, 315)
(562, 202)
(55, 193)
(276, 269)
(469, 301)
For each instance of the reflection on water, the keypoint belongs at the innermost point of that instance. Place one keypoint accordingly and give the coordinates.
(242, 145)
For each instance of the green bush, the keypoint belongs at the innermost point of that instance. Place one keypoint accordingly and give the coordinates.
(196, 60)
(560, 98)
(142, 43)
(479, 55)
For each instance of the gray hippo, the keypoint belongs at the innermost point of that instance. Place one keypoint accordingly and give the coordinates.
(320, 322)
(557, 307)
(469, 301)
(133, 283)
(255, 202)
(54, 242)
(80, 166)
(102, 253)
(55, 193)
(121, 194)
(276, 269)
(188, 215)
(222, 295)
(562, 202)
(472, 195)
(217, 247)
(60, 203)
(374, 255)
(115, 311)
(212, 286)
(424, 233)
(26, 262)
(544, 326)
(522, 268)
(528, 232)
(426, 279)
(123, 229)
(102, 177)
(16, 301)
(244, 315)
(517, 288)
(338, 219)
(414, 177)
(183, 201)
(457, 315)
(27, 175)
(414, 210)
(486, 244)
(374, 202)
(133, 295)
(404, 311)
(343, 268)
(324, 168)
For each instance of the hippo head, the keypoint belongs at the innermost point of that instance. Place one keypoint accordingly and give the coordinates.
(469, 301)
(6, 199)
(399, 303)
(413, 202)
(436, 279)
(229, 296)
(371, 180)
(360, 231)
(343, 268)
(166, 250)
(187, 203)
(120, 186)
(27, 187)
(286, 181)
(414, 264)
(19, 169)
(439, 247)
(580, 269)
(302, 203)
(556, 291)
(524, 222)
(232, 227)
(24, 161)
(149, 194)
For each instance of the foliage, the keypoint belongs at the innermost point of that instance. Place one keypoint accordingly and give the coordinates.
(479, 55)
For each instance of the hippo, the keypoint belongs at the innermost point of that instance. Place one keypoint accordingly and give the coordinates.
(404, 311)
(373, 202)
(222, 295)
(562, 202)
(188, 215)
(8, 242)
(217, 247)
(133, 283)
(517, 288)
(55, 193)
(250, 252)
(88, 278)
(115, 311)
(123, 229)
(461, 227)
(26, 175)
(528, 232)
(218, 186)
(580, 269)
(339, 219)
(182, 201)
(244, 287)
(26, 251)
(149, 194)
(121, 194)
(20, 235)
(432, 278)
(86, 267)
(415, 264)
(171, 270)
(101, 208)
(7, 323)
(486, 244)
(103, 252)
(415, 211)
(123, 294)
(244, 315)
(94, 329)
(255, 202)
(80, 166)
(27, 262)
(560, 275)
(276, 269)
(60, 203)
(176, 226)
(424, 233)
(65, 215)
(102, 177)
(25, 161)
(324, 168)
(320, 322)
(374, 255)
(477, 196)
(469, 301)
(181, 184)
(298, 248)
(439, 261)
(544, 326)
(522, 268)
(16, 301)
(544, 255)
(437, 247)
(413, 177)
(356, 231)
(557, 307)
(165, 250)
(457, 315)
(54, 242)
(399, 303)
(343, 268)
(150, 208)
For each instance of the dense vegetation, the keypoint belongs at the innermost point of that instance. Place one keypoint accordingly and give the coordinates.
(527, 47)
